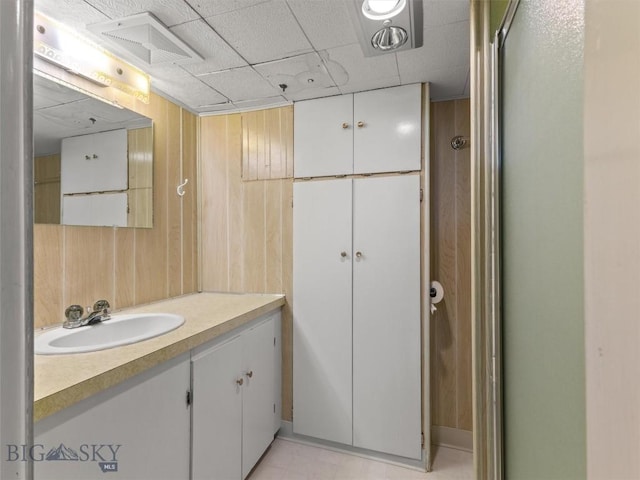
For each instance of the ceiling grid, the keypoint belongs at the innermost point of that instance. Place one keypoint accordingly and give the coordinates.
(251, 47)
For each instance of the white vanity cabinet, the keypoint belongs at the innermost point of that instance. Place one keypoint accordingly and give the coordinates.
(211, 411)
(138, 429)
(367, 132)
(356, 312)
(235, 412)
(94, 163)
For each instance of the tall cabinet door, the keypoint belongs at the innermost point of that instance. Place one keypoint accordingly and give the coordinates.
(322, 308)
(323, 143)
(387, 133)
(386, 315)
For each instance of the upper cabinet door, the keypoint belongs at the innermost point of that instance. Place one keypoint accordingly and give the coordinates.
(323, 137)
(387, 129)
(95, 163)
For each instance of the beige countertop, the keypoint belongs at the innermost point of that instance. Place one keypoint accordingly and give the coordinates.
(62, 380)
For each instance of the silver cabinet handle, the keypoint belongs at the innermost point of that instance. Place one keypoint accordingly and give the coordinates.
(359, 254)
(360, 124)
(249, 373)
(345, 125)
(343, 254)
(240, 381)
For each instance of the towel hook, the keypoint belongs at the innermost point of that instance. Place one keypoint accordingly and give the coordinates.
(180, 188)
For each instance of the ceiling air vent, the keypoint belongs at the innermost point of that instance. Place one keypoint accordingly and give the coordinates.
(146, 38)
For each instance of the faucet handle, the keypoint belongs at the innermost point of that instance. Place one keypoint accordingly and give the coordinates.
(74, 313)
(102, 306)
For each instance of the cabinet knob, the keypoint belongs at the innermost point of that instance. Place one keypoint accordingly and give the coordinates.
(343, 254)
(360, 124)
(249, 373)
(240, 381)
(358, 254)
(345, 125)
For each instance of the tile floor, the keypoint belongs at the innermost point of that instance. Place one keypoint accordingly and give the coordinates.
(287, 460)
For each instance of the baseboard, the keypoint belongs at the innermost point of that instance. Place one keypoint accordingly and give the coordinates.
(452, 438)
(286, 433)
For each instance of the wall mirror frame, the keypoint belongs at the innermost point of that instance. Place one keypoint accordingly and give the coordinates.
(109, 184)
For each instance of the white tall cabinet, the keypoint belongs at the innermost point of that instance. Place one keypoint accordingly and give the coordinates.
(357, 270)
(356, 312)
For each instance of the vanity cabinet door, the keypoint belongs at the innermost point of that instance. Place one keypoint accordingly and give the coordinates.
(258, 394)
(235, 390)
(137, 430)
(217, 412)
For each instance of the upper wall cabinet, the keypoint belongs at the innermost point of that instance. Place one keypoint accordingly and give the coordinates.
(94, 163)
(368, 132)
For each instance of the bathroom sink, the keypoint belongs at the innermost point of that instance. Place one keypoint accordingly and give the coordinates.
(118, 330)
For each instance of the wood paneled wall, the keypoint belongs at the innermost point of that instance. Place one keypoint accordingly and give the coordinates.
(267, 144)
(128, 266)
(140, 191)
(46, 194)
(451, 402)
(247, 240)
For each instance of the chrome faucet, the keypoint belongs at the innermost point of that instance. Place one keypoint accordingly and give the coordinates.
(100, 311)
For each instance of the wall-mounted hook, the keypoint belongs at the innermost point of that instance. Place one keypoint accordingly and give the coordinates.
(180, 188)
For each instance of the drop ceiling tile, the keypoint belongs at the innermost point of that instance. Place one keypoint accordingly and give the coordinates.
(204, 40)
(208, 8)
(47, 93)
(185, 88)
(276, 100)
(326, 23)
(444, 47)
(169, 12)
(444, 84)
(350, 68)
(302, 73)
(370, 84)
(442, 12)
(75, 14)
(267, 31)
(312, 93)
(240, 84)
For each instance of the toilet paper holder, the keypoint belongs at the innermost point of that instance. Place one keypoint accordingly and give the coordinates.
(436, 294)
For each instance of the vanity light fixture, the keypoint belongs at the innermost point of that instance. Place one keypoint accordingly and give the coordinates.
(386, 26)
(61, 46)
(78, 89)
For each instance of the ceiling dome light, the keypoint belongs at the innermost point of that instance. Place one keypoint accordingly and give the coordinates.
(382, 9)
(389, 38)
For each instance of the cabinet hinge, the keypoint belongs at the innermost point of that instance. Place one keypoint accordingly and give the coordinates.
(421, 195)
(274, 341)
(189, 398)
(274, 408)
(422, 439)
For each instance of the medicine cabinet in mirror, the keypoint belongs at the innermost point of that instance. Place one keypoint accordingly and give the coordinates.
(93, 161)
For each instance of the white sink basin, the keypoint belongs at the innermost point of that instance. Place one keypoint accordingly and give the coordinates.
(118, 330)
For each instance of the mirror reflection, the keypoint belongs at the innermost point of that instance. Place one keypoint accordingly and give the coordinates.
(93, 161)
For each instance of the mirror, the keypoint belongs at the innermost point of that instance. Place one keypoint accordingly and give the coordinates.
(93, 161)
